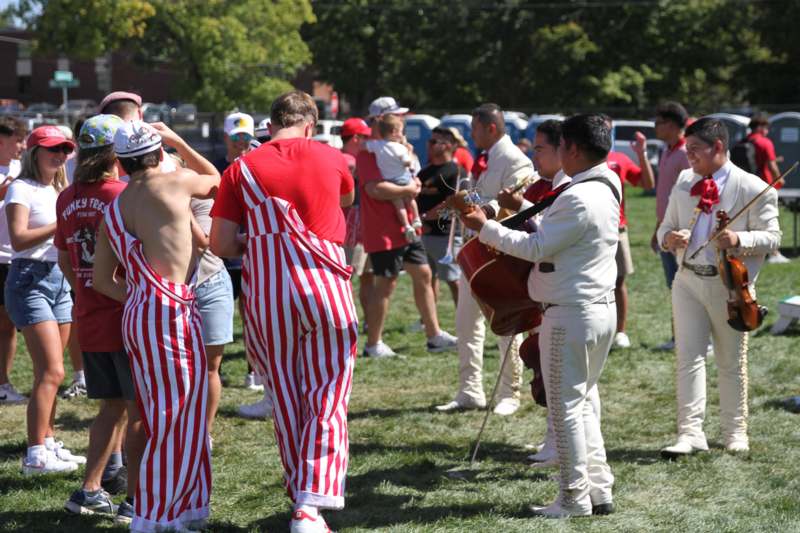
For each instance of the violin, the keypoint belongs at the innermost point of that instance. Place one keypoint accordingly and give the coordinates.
(744, 313)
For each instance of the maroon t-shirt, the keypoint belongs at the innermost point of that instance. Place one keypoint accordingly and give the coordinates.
(80, 209)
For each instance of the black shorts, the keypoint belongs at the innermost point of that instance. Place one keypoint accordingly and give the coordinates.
(108, 376)
(389, 263)
(3, 275)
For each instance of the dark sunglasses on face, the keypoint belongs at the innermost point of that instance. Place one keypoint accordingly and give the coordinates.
(63, 148)
(237, 137)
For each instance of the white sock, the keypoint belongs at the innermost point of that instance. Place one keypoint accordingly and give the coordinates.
(50, 443)
(39, 450)
(79, 377)
(310, 510)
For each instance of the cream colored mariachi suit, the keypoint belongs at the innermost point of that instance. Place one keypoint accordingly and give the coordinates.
(578, 234)
(699, 303)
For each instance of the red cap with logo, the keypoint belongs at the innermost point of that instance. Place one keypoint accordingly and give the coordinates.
(355, 126)
(47, 137)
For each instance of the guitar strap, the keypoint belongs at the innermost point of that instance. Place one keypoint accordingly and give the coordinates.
(522, 216)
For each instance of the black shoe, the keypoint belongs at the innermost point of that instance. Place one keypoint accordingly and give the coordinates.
(603, 509)
(117, 484)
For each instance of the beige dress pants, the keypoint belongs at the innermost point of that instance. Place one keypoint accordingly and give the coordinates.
(574, 343)
(471, 332)
(700, 307)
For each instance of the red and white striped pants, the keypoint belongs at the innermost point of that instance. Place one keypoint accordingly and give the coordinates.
(303, 329)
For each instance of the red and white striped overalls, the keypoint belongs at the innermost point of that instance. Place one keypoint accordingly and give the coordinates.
(303, 328)
(162, 335)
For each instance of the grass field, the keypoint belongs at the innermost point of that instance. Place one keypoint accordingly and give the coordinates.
(401, 451)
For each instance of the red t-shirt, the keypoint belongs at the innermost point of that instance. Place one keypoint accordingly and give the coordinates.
(310, 175)
(629, 172)
(379, 227)
(765, 153)
(463, 158)
(80, 209)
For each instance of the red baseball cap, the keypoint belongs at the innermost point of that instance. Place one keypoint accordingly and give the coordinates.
(355, 126)
(47, 137)
(120, 95)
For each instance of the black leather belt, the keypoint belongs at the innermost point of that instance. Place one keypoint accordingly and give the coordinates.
(547, 267)
(706, 271)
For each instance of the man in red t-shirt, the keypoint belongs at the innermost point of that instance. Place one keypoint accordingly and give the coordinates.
(298, 300)
(640, 176)
(766, 160)
(80, 209)
(389, 251)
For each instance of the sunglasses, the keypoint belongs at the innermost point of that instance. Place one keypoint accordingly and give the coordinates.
(62, 148)
(237, 137)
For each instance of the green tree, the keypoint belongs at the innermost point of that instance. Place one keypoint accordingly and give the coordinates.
(231, 53)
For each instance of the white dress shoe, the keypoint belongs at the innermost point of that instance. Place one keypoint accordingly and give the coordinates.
(739, 445)
(506, 407)
(684, 447)
(455, 405)
(558, 510)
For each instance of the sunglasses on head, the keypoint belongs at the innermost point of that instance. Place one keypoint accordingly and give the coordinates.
(236, 137)
(63, 148)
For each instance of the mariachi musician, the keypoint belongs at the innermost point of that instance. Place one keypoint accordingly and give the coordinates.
(574, 277)
(699, 296)
(548, 165)
(505, 166)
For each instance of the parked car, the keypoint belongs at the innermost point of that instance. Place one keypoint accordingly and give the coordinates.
(156, 112)
(329, 132)
(624, 131)
(41, 108)
(738, 125)
(184, 113)
(78, 108)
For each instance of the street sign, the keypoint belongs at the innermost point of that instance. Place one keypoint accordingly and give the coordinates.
(62, 76)
(71, 84)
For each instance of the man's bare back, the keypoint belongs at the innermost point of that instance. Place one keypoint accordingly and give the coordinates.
(155, 208)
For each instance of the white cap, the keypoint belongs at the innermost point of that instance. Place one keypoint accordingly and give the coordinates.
(263, 127)
(238, 123)
(386, 105)
(136, 138)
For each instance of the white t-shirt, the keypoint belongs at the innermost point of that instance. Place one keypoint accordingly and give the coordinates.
(394, 160)
(41, 203)
(6, 171)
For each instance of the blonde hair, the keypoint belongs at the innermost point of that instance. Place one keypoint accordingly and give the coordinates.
(30, 170)
(387, 124)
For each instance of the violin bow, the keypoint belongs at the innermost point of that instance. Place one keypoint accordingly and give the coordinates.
(743, 210)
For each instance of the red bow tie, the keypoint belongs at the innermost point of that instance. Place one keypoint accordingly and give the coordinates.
(480, 165)
(708, 192)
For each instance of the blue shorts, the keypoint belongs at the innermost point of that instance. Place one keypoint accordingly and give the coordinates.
(215, 301)
(36, 291)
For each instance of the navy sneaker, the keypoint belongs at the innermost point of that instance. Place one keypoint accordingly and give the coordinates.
(118, 484)
(82, 502)
(124, 513)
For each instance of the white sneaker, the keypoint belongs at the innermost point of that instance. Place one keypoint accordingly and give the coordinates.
(621, 340)
(303, 522)
(9, 395)
(253, 382)
(260, 410)
(455, 405)
(667, 346)
(75, 390)
(46, 463)
(547, 453)
(777, 258)
(442, 342)
(378, 351)
(506, 407)
(737, 444)
(64, 454)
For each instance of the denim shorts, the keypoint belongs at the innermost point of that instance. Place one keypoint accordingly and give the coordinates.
(215, 301)
(36, 291)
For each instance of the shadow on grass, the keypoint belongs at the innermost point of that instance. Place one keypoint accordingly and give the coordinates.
(13, 450)
(639, 457)
(787, 404)
(26, 521)
(388, 413)
(71, 422)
